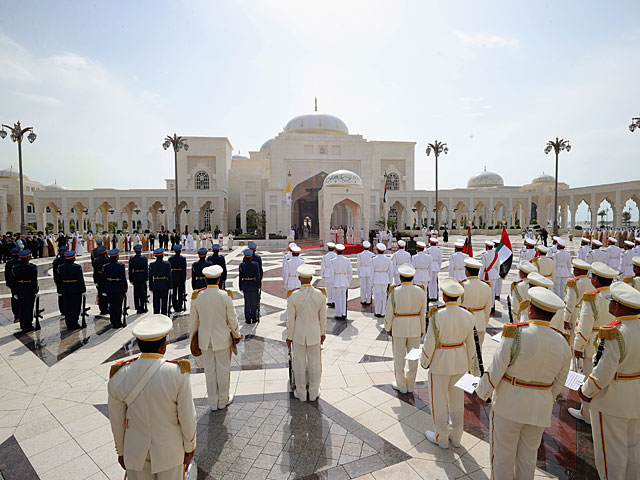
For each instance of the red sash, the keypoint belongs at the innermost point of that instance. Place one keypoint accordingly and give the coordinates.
(486, 272)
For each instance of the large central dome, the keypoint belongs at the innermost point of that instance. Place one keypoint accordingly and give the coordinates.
(316, 123)
(485, 179)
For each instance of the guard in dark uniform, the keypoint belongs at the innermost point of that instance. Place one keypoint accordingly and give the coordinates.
(250, 281)
(11, 282)
(160, 281)
(216, 259)
(258, 259)
(178, 278)
(26, 278)
(94, 252)
(197, 277)
(99, 261)
(115, 287)
(138, 275)
(59, 260)
(71, 287)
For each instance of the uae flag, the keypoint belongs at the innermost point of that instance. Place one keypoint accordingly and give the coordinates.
(505, 254)
(468, 248)
(385, 188)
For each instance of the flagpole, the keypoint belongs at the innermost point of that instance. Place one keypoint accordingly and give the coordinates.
(384, 201)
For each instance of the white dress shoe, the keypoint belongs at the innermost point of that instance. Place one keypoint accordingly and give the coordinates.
(396, 387)
(431, 436)
(576, 413)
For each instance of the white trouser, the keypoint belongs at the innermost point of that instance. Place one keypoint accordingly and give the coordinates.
(405, 377)
(365, 289)
(587, 368)
(498, 288)
(306, 358)
(217, 371)
(175, 473)
(616, 445)
(494, 291)
(340, 300)
(514, 448)
(329, 287)
(447, 407)
(380, 298)
(559, 286)
(433, 286)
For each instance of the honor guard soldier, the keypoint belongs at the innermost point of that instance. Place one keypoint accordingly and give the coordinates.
(476, 297)
(59, 260)
(528, 252)
(178, 278)
(197, 277)
(291, 281)
(138, 275)
(563, 268)
(25, 275)
(545, 264)
(342, 273)
(436, 263)
(456, 262)
(537, 280)
(249, 281)
(72, 287)
(99, 261)
(216, 259)
(613, 388)
(160, 281)
(288, 254)
(597, 255)
(258, 259)
(585, 249)
(11, 281)
(215, 322)
(490, 271)
(528, 371)
(306, 330)
(151, 410)
(364, 268)
(613, 253)
(115, 287)
(576, 288)
(594, 314)
(520, 291)
(635, 280)
(449, 351)
(554, 247)
(405, 323)
(325, 272)
(626, 261)
(382, 279)
(399, 258)
(421, 261)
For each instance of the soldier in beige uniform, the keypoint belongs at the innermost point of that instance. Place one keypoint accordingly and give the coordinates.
(613, 389)
(537, 280)
(215, 322)
(594, 314)
(546, 265)
(576, 288)
(153, 418)
(528, 371)
(448, 352)
(520, 291)
(405, 322)
(306, 329)
(477, 296)
(635, 280)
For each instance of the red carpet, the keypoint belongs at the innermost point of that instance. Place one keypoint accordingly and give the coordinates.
(348, 249)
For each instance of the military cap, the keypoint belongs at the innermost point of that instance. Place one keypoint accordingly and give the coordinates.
(158, 251)
(612, 240)
(215, 246)
(202, 251)
(603, 270)
(626, 295)
(421, 244)
(113, 253)
(214, 271)
(636, 261)
(561, 243)
(406, 270)
(401, 243)
(366, 244)
(451, 287)
(433, 240)
(539, 280)
(253, 246)
(527, 267)
(459, 244)
(596, 243)
(70, 255)
(101, 249)
(472, 263)
(545, 299)
(177, 246)
(63, 249)
(137, 248)
(305, 271)
(296, 249)
(581, 264)
(331, 245)
(248, 252)
(542, 249)
(628, 243)
(381, 246)
(585, 240)
(152, 328)
(339, 247)
(24, 253)
(529, 241)
(489, 243)
(14, 250)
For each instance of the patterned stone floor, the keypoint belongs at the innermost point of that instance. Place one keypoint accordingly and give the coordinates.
(54, 424)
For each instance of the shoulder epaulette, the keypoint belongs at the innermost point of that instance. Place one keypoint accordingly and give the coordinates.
(589, 297)
(421, 286)
(535, 260)
(610, 331)
(230, 293)
(289, 292)
(514, 284)
(432, 310)
(509, 330)
(566, 336)
(323, 290)
(525, 304)
(116, 366)
(391, 287)
(571, 283)
(628, 279)
(195, 293)
(184, 364)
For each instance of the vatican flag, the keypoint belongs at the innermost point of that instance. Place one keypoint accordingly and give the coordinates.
(287, 192)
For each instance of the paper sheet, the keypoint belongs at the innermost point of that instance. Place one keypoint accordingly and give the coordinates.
(468, 383)
(497, 336)
(574, 380)
(414, 354)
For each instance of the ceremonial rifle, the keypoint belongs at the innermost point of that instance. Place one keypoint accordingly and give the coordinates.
(184, 301)
(37, 312)
(509, 307)
(476, 338)
(84, 310)
(146, 303)
(125, 310)
(170, 302)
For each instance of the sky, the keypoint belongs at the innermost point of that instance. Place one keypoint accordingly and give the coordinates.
(104, 82)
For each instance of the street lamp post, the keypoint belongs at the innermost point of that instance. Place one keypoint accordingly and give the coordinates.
(635, 123)
(438, 148)
(177, 143)
(17, 134)
(557, 147)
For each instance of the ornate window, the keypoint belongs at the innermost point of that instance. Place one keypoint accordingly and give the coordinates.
(202, 181)
(393, 214)
(393, 182)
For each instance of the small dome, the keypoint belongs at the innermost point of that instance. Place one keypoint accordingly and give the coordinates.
(544, 178)
(11, 172)
(54, 186)
(239, 157)
(485, 179)
(265, 146)
(316, 123)
(343, 178)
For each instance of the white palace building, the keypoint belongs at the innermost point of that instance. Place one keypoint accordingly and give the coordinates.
(336, 178)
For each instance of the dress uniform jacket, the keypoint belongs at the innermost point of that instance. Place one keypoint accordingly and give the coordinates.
(178, 278)
(583, 252)
(598, 255)
(72, 287)
(291, 280)
(421, 261)
(546, 267)
(59, 260)
(160, 275)
(26, 278)
(456, 266)
(436, 264)
(198, 280)
(115, 288)
(613, 256)
(626, 263)
(399, 258)
(477, 300)
(382, 278)
(364, 269)
(98, 262)
(249, 281)
(563, 271)
(160, 423)
(527, 254)
(216, 259)
(138, 275)
(342, 273)
(576, 288)
(325, 273)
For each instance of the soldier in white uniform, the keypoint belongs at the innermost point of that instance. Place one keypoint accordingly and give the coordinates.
(436, 263)
(456, 261)
(153, 418)
(448, 352)
(576, 288)
(635, 280)
(597, 255)
(477, 296)
(636, 249)
(421, 261)
(405, 322)
(594, 314)
(585, 248)
(306, 329)
(215, 322)
(520, 291)
(325, 272)
(613, 254)
(626, 261)
(342, 273)
(285, 259)
(490, 271)
(563, 268)
(364, 267)
(528, 252)
(545, 264)
(554, 247)
(537, 280)
(613, 389)
(528, 371)
(399, 258)
(291, 280)
(382, 278)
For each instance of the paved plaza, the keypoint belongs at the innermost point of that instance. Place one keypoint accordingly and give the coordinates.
(53, 395)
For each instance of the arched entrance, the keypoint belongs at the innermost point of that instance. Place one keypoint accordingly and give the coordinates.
(304, 211)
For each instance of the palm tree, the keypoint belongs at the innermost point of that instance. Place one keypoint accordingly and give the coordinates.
(602, 214)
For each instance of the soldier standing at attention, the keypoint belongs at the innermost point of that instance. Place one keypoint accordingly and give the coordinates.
(613, 388)
(115, 287)
(325, 272)
(258, 259)
(59, 260)
(448, 352)
(306, 330)
(198, 281)
(138, 275)
(11, 282)
(216, 259)
(153, 418)
(178, 278)
(436, 263)
(291, 281)
(576, 288)
(405, 322)
(399, 258)
(490, 271)
(215, 322)
(160, 281)
(364, 268)
(635, 280)
(545, 264)
(585, 248)
(563, 268)
(528, 252)
(99, 261)
(382, 278)
(249, 283)
(25, 275)
(456, 262)
(597, 255)
(342, 273)
(476, 297)
(626, 261)
(421, 261)
(528, 371)
(72, 287)
(613, 253)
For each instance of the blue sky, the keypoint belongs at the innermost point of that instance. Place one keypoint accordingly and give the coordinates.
(104, 82)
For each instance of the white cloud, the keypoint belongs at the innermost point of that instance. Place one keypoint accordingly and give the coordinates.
(41, 99)
(484, 40)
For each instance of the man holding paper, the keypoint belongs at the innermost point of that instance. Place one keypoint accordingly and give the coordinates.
(528, 371)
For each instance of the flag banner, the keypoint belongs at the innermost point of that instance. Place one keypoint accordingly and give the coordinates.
(468, 248)
(287, 193)
(385, 188)
(505, 253)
